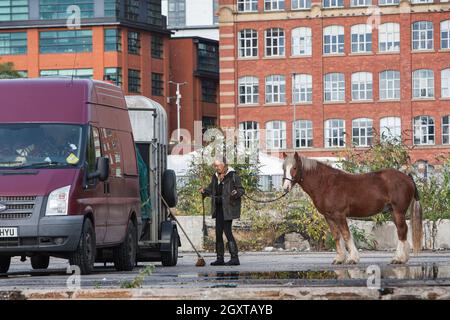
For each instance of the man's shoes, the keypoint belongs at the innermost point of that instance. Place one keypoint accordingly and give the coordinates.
(219, 262)
(234, 261)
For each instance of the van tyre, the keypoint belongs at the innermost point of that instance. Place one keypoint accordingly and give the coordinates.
(169, 188)
(40, 262)
(5, 262)
(170, 258)
(84, 256)
(124, 255)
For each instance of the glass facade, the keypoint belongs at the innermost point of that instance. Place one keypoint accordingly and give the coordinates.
(13, 43)
(58, 9)
(114, 75)
(13, 10)
(154, 16)
(134, 81)
(209, 91)
(76, 73)
(111, 8)
(65, 41)
(208, 57)
(177, 13)
(134, 42)
(132, 9)
(157, 47)
(157, 84)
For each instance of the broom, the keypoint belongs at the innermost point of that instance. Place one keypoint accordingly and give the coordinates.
(201, 261)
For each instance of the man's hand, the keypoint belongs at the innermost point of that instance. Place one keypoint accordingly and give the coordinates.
(201, 190)
(234, 194)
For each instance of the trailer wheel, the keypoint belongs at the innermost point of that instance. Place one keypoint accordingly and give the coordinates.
(170, 258)
(5, 262)
(169, 188)
(125, 254)
(40, 261)
(84, 255)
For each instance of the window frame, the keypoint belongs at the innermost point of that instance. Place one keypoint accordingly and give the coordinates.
(277, 96)
(420, 127)
(364, 129)
(250, 95)
(275, 43)
(302, 134)
(339, 88)
(329, 136)
(336, 34)
(276, 136)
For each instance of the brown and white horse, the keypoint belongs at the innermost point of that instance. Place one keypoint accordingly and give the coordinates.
(339, 195)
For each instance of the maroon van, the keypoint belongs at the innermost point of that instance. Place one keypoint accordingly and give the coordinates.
(69, 184)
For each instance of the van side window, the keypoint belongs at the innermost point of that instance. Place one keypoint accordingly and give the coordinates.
(112, 150)
(93, 149)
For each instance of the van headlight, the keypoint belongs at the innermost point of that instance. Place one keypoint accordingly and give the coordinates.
(58, 202)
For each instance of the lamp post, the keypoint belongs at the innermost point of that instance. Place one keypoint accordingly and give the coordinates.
(178, 102)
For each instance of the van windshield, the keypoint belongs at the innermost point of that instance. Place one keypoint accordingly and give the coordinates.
(33, 145)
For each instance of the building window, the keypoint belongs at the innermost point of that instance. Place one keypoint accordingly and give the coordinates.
(274, 42)
(134, 42)
(302, 88)
(422, 35)
(273, 5)
(65, 41)
(390, 129)
(132, 9)
(388, 2)
(334, 133)
(423, 130)
(158, 84)
(334, 87)
(248, 90)
(303, 134)
(177, 13)
(361, 3)
(362, 132)
(300, 4)
(276, 135)
(389, 37)
(301, 41)
(208, 57)
(422, 1)
(362, 86)
(247, 5)
(333, 40)
(333, 3)
(445, 34)
(361, 38)
(445, 83)
(76, 73)
(275, 89)
(114, 75)
(209, 91)
(23, 73)
(13, 43)
(13, 10)
(157, 47)
(154, 16)
(215, 11)
(423, 83)
(389, 85)
(57, 9)
(446, 129)
(111, 8)
(113, 40)
(248, 43)
(134, 81)
(249, 134)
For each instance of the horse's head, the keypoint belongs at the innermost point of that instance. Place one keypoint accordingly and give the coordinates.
(291, 165)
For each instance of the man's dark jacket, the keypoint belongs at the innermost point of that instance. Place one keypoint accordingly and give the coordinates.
(231, 204)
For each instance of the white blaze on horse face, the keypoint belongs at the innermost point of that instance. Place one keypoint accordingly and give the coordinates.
(287, 185)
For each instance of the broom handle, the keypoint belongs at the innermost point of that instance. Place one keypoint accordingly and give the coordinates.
(179, 224)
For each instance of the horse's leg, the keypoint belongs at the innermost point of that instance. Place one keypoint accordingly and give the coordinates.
(340, 248)
(348, 238)
(402, 253)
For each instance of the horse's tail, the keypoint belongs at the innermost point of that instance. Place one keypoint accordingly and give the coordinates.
(416, 220)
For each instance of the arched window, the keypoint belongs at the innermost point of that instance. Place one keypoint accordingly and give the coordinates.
(301, 41)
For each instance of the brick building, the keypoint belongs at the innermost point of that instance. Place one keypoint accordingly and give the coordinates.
(195, 62)
(315, 77)
(125, 41)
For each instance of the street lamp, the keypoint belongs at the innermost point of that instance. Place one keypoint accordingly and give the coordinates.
(178, 100)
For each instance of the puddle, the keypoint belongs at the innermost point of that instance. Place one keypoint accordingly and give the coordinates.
(419, 272)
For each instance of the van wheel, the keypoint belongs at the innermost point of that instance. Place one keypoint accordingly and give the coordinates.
(5, 262)
(170, 258)
(84, 256)
(124, 255)
(40, 262)
(169, 188)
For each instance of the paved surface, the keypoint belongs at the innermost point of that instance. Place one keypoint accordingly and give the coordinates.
(261, 275)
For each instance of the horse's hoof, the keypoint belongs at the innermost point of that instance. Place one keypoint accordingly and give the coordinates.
(337, 262)
(351, 261)
(396, 261)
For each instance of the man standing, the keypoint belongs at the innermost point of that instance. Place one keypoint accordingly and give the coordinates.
(225, 191)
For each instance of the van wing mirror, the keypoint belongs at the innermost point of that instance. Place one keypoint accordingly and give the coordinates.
(102, 169)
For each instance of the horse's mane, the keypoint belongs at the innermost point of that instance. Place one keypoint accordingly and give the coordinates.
(309, 165)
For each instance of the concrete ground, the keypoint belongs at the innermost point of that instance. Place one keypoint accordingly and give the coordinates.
(268, 275)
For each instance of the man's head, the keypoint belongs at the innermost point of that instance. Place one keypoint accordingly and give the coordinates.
(220, 165)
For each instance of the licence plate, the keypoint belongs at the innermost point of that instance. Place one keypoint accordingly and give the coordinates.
(8, 233)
